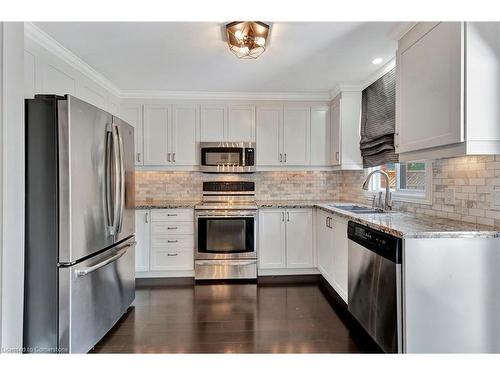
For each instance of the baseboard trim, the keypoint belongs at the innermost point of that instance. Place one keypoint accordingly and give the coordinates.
(289, 279)
(163, 281)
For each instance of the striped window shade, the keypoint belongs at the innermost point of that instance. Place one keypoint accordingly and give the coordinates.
(378, 121)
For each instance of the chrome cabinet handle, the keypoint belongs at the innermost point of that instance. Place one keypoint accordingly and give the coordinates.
(327, 222)
(396, 135)
(281, 158)
(171, 214)
(138, 157)
(173, 157)
(283, 216)
(172, 241)
(95, 267)
(168, 157)
(288, 216)
(172, 254)
(172, 228)
(146, 217)
(337, 154)
(284, 160)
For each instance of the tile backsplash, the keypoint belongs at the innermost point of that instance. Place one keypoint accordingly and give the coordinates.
(314, 185)
(474, 179)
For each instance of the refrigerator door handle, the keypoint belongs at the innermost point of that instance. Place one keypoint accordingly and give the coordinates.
(112, 181)
(121, 252)
(121, 180)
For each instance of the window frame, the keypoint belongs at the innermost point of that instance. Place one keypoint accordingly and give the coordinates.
(405, 195)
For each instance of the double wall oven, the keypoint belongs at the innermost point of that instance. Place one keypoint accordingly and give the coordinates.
(226, 231)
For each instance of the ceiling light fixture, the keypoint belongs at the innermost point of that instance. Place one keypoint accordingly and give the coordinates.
(247, 39)
(377, 61)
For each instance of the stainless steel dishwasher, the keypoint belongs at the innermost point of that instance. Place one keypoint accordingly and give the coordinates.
(374, 284)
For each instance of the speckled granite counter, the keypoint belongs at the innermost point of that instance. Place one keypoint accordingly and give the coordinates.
(157, 204)
(398, 224)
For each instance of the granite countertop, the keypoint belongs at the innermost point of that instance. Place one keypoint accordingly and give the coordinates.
(164, 204)
(399, 224)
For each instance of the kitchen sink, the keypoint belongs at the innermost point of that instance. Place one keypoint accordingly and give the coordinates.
(357, 209)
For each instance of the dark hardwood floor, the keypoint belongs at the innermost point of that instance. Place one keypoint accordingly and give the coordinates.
(231, 318)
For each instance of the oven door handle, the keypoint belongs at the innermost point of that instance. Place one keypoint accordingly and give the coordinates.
(228, 216)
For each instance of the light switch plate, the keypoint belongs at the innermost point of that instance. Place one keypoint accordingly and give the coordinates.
(449, 196)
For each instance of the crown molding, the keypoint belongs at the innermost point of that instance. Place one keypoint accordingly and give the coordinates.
(209, 95)
(345, 87)
(46, 41)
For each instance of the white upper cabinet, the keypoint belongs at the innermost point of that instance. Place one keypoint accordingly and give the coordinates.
(320, 136)
(296, 135)
(156, 134)
(430, 87)
(447, 95)
(299, 249)
(241, 123)
(269, 135)
(185, 134)
(132, 114)
(213, 123)
(345, 131)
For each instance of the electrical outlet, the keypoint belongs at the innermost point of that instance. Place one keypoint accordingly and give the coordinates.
(449, 196)
(496, 199)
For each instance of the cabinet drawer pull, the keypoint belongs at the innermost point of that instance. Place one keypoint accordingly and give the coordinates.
(172, 227)
(172, 254)
(146, 217)
(172, 241)
(171, 214)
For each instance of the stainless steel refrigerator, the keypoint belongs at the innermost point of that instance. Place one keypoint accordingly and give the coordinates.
(80, 223)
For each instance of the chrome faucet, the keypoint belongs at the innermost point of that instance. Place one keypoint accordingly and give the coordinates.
(388, 203)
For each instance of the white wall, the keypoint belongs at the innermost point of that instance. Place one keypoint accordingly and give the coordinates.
(12, 186)
(49, 68)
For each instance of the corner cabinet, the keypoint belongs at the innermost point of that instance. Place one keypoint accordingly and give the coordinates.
(332, 250)
(345, 112)
(447, 93)
(285, 238)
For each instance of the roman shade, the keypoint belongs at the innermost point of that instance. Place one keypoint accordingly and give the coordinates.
(378, 121)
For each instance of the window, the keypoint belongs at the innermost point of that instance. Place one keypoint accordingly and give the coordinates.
(408, 181)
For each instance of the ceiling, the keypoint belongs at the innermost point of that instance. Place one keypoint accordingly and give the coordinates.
(193, 56)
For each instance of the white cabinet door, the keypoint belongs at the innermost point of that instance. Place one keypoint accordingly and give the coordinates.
(272, 251)
(241, 124)
(335, 134)
(320, 136)
(297, 127)
(269, 135)
(213, 123)
(430, 79)
(324, 236)
(299, 249)
(156, 134)
(132, 114)
(185, 134)
(339, 250)
(142, 236)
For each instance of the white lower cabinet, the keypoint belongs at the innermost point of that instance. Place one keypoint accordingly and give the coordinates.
(142, 237)
(165, 241)
(331, 249)
(285, 238)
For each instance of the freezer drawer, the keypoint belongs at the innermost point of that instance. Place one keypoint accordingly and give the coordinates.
(93, 295)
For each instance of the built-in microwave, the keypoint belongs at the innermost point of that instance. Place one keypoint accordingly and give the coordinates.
(227, 157)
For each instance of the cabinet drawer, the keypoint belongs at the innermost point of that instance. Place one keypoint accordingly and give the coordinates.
(172, 215)
(173, 242)
(172, 228)
(172, 260)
